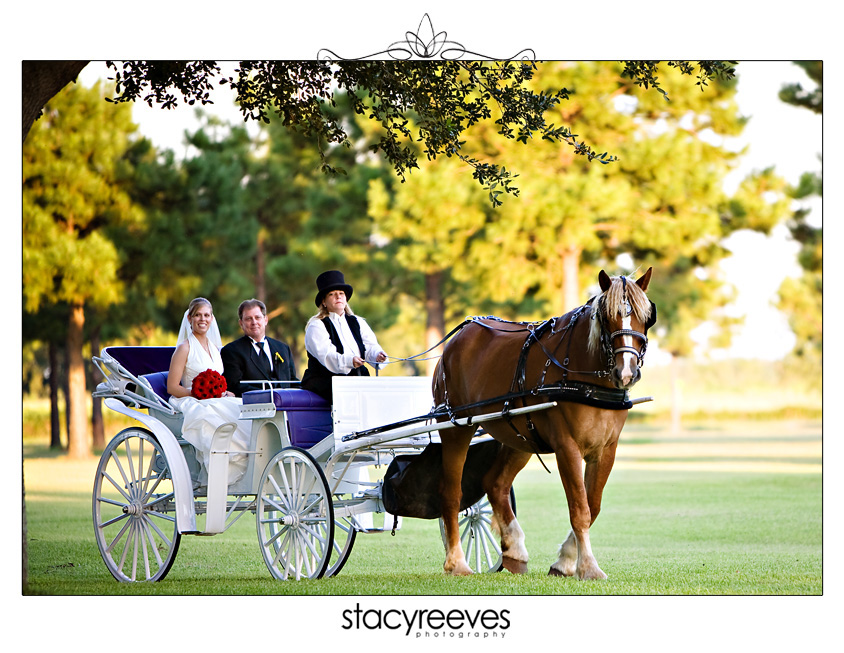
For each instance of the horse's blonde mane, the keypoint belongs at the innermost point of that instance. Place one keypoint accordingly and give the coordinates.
(610, 301)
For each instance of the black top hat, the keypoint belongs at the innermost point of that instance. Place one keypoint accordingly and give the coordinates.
(331, 280)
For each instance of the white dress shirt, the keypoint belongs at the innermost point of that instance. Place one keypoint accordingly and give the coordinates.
(319, 345)
(265, 350)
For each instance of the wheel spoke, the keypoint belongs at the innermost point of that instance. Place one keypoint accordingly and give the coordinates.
(287, 493)
(283, 546)
(148, 528)
(130, 464)
(135, 540)
(125, 480)
(119, 504)
(126, 545)
(120, 534)
(141, 478)
(281, 532)
(114, 520)
(159, 499)
(143, 534)
(152, 525)
(158, 478)
(282, 495)
(309, 541)
(277, 505)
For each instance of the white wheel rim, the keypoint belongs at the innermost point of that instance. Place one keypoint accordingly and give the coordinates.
(295, 521)
(132, 508)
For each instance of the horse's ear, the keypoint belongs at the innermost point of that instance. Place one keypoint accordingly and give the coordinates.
(644, 280)
(604, 280)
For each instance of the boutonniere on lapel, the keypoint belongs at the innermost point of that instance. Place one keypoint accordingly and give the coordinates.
(278, 356)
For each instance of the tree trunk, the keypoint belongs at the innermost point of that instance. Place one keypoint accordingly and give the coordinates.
(435, 319)
(77, 434)
(41, 80)
(260, 267)
(97, 425)
(571, 278)
(66, 391)
(55, 424)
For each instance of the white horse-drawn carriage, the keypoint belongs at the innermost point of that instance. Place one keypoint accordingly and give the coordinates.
(312, 479)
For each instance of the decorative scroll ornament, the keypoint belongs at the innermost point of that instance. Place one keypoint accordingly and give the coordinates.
(425, 44)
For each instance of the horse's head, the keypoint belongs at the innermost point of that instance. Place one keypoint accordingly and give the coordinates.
(621, 317)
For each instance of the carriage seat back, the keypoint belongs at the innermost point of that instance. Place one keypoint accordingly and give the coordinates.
(308, 415)
(158, 381)
(142, 360)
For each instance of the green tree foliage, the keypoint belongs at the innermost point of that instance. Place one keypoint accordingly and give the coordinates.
(239, 218)
(811, 99)
(662, 202)
(310, 222)
(802, 298)
(444, 98)
(429, 227)
(199, 237)
(71, 194)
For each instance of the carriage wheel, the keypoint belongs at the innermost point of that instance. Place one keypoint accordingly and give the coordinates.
(295, 516)
(481, 546)
(134, 520)
(345, 532)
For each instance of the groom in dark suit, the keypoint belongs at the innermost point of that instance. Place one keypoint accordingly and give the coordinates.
(255, 357)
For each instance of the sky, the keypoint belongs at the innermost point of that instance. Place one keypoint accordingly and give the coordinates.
(759, 262)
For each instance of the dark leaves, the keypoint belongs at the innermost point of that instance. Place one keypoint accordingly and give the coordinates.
(418, 104)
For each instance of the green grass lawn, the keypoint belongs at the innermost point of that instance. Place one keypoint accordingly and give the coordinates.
(733, 510)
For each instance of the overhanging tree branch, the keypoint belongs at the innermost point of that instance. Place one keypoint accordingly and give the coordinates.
(417, 104)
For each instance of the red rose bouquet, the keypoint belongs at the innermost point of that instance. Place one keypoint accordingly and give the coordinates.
(209, 384)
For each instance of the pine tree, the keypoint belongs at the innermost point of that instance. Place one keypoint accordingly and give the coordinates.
(71, 193)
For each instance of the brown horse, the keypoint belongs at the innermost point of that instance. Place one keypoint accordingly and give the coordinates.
(586, 360)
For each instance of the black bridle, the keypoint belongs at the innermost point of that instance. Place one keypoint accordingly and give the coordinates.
(608, 338)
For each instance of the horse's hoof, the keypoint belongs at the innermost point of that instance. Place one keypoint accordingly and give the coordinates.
(565, 571)
(458, 570)
(595, 574)
(514, 566)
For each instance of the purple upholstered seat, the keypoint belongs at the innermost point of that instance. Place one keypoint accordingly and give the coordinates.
(158, 381)
(308, 414)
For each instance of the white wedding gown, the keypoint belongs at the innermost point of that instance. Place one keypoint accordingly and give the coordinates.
(203, 417)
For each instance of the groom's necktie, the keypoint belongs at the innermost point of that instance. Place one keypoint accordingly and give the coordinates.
(262, 358)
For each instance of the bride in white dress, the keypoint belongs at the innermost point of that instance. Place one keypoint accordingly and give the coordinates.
(198, 349)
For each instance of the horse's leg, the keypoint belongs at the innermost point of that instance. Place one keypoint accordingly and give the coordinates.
(575, 556)
(454, 446)
(597, 473)
(497, 484)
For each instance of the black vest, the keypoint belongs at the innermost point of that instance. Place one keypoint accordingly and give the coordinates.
(317, 377)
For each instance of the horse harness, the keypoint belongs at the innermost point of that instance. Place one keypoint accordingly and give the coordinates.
(565, 389)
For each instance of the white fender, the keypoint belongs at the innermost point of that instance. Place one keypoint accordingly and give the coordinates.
(218, 482)
(182, 484)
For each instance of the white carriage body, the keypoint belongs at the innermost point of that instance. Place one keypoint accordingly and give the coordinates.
(372, 420)
(360, 403)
